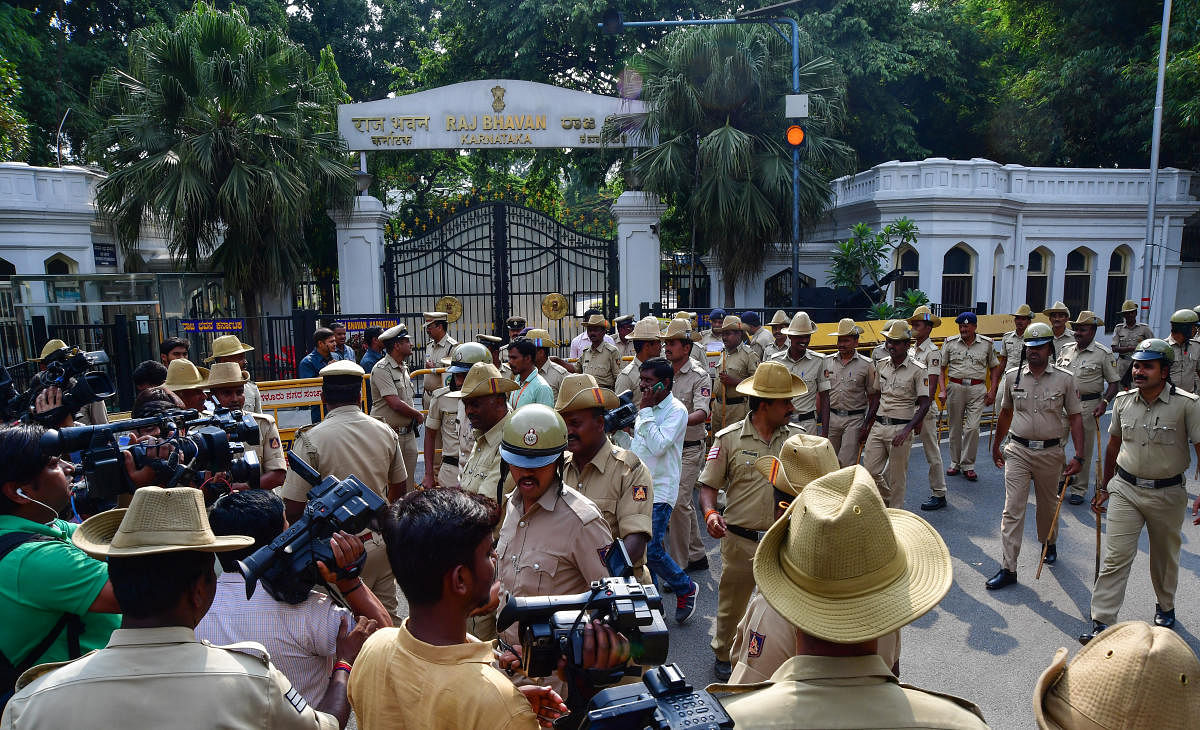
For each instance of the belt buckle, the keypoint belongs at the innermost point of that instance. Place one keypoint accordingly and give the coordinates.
(1037, 444)
(1145, 483)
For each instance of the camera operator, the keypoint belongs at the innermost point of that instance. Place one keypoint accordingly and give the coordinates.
(303, 630)
(93, 414)
(226, 382)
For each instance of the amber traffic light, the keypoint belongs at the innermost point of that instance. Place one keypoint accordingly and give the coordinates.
(795, 135)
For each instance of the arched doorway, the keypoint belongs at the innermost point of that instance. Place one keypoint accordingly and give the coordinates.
(958, 275)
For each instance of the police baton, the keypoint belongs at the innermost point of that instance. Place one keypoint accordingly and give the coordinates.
(1066, 485)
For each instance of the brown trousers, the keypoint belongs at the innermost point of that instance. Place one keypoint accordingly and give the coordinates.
(933, 453)
(964, 404)
(888, 464)
(843, 434)
(683, 538)
(1022, 464)
(733, 592)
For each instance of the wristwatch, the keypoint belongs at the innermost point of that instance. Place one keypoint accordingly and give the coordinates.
(1078, 458)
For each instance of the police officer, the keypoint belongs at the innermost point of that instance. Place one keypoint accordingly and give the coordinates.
(923, 322)
(711, 336)
(1033, 397)
(779, 341)
(1093, 366)
(228, 348)
(1144, 475)
(848, 399)
(645, 346)
(624, 325)
(1185, 365)
(809, 367)
(880, 351)
(901, 388)
(347, 442)
(392, 392)
(515, 325)
(1014, 340)
(615, 479)
(1059, 315)
(692, 386)
(439, 347)
(759, 336)
(441, 425)
(737, 363)
(749, 498)
(600, 359)
(1127, 335)
(968, 359)
(225, 382)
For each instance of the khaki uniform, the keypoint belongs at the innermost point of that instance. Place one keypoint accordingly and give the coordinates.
(443, 418)
(964, 400)
(619, 484)
(389, 377)
(1094, 368)
(772, 349)
(481, 472)
(811, 369)
(848, 385)
(630, 379)
(603, 363)
(625, 348)
(760, 341)
(253, 397)
(749, 510)
(848, 692)
(349, 442)
(879, 353)
(436, 351)
(693, 388)
(765, 640)
(898, 388)
(269, 449)
(1185, 369)
(1128, 337)
(699, 354)
(552, 373)
(1154, 445)
(730, 406)
(1010, 348)
(1061, 341)
(930, 354)
(159, 678)
(1038, 405)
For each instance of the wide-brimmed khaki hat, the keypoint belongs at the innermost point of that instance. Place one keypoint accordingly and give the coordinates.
(596, 320)
(679, 329)
(779, 319)
(227, 374)
(434, 317)
(1087, 317)
(157, 521)
(802, 459)
(1058, 308)
(1133, 675)
(842, 567)
(800, 325)
(1129, 306)
(580, 392)
(899, 330)
(227, 345)
(1023, 311)
(731, 323)
(540, 337)
(646, 329)
(483, 379)
(684, 315)
(49, 349)
(924, 314)
(394, 333)
(342, 367)
(772, 380)
(847, 328)
(182, 374)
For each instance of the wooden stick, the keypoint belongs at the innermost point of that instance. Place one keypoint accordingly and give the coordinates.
(1099, 516)
(1066, 485)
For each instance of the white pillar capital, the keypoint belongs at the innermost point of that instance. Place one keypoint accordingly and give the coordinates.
(360, 244)
(637, 214)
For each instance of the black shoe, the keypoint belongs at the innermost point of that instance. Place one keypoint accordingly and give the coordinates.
(1097, 627)
(1051, 554)
(1001, 579)
(1075, 499)
(1165, 619)
(701, 564)
(934, 502)
(723, 670)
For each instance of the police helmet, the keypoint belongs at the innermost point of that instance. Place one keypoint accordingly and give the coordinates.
(1038, 333)
(1185, 316)
(534, 435)
(1155, 349)
(467, 354)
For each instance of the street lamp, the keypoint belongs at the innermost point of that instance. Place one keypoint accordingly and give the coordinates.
(1148, 249)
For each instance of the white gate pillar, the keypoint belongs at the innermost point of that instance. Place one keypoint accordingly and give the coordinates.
(360, 256)
(638, 263)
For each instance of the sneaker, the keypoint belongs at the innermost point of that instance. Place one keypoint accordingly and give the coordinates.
(685, 604)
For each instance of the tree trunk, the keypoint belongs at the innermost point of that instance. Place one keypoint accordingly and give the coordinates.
(252, 334)
(728, 285)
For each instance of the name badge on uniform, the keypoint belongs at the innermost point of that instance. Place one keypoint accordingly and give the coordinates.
(639, 493)
(751, 454)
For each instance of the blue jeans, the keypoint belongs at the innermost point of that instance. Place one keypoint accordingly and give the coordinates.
(660, 562)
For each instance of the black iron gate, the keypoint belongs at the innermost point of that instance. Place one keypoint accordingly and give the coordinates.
(501, 259)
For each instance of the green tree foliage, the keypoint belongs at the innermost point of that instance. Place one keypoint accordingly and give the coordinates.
(223, 134)
(14, 130)
(860, 259)
(714, 96)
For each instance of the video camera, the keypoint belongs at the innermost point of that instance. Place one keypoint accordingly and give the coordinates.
(288, 566)
(72, 371)
(663, 699)
(623, 416)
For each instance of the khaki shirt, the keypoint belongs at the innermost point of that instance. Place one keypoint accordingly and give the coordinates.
(929, 354)
(630, 379)
(347, 442)
(851, 692)
(740, 364)
(1154, 436)
(481, 473)
(848, 381)
(269, 449)
(389, 377)
(968, 361)
(749, 497)
(1038, 403)
(708, 337)
(253, 397)
(619, 484)
(436, 351)
(1011, 347)
(880, 352)
(556, 547)
(811, 369)
(162, 678)
(693, 388)
(760, 341)
(553, 374)
(603, 364)
(443, 418)
(899, 387)
(1130, 336)
(625, 348)
(1185, 368)
(1092, 366)
(772, 349)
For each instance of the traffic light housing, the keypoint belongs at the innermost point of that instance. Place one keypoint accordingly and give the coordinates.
(796, 135)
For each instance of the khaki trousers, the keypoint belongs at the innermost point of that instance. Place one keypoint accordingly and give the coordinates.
(1079, 485)
(727, 415)
(733, 592)
(447, 475)
(408, 445)
(888, 464)
(933, 453)
(683, 534)
(808, 425)
(965, 406)
(377, 575)
(1129, 508)
(843, 434)
(1022, 464)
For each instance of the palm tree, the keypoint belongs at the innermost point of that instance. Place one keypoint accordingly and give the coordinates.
(714, 99)
(225, 135)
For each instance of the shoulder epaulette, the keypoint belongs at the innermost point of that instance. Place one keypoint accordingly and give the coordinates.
(627, 457)
(41, 670)
(1186, 394)
(584, 508)
(247, 648)
(952, 338)
(729, 429)
(984, 338)
(966, 704)
(1102, 346)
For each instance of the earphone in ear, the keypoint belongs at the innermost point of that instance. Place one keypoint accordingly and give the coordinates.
(21, 493)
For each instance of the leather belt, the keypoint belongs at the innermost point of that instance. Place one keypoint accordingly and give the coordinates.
(1032, 444)
(690, 444)
(840, 412)
(966, 381)
(755, 535)
(735, 401)
(451, 460)
(888, 421)
(1150, 483)
(810, 416)
(402, 430)
(1089, 396)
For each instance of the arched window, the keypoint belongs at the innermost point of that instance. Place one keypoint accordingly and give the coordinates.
(958, 271)
(7, 269)
(57, 267)
(1037, 278)
(1077, 284)
(909, 263)
(1118, 285)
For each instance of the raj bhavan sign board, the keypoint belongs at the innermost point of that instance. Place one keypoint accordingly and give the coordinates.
(487, 114)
